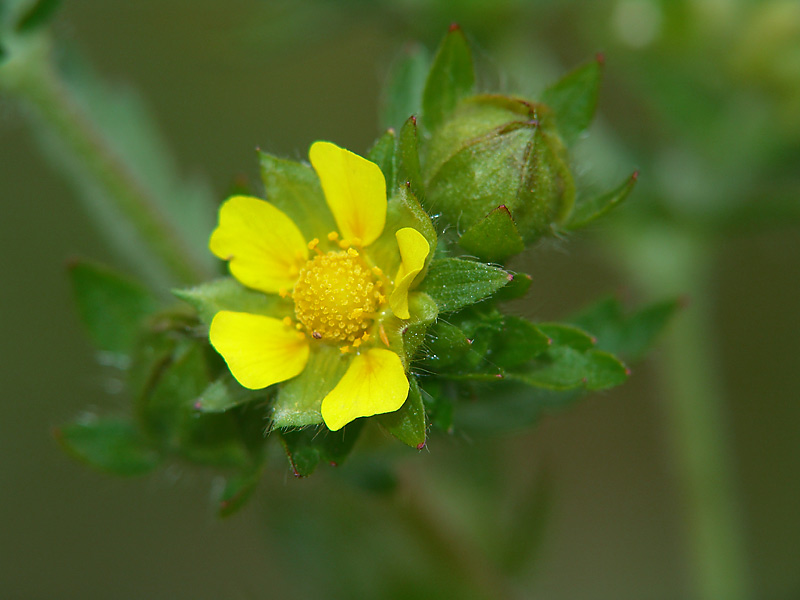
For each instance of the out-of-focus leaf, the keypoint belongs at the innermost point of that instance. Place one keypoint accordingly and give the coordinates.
(38, 15)
(565, 368)
(112, 445)
(382, 154)
(402, 95)
(112, 307)
(454, 283)
(592, 209)
(573, 99)
(228, 294)
(299, 400)
(294, 188)
(451, 78)
(525, 531)
(306, 447)
(438, 403)
(563, 334)
(238, 490)
(408, 424)
(628, 335)
(408, 169)
(493, 239)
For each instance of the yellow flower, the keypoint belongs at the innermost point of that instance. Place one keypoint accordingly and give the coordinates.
(343, 285)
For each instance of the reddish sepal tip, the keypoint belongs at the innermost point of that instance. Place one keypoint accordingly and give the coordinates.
(454, 27)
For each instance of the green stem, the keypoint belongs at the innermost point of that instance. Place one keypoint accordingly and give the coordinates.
(668, 263)
(31, 76)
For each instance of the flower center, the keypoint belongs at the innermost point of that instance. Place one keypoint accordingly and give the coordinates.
(336, 296)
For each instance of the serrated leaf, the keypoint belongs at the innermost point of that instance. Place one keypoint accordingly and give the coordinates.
(408, 424)
(112, 307)
(563, 334)
(451, 78)
(402, 95)
(238, 490)
(627, 335)
(228, 294)
(454, 283)
(306, 447)
(494, 238)
(294, 188)
(224, 394)
(587, 211)
(299, 400)
(382, 154)
(573, 99)
(515, 342)
(516, 288)
(565, 368)
(112, 445)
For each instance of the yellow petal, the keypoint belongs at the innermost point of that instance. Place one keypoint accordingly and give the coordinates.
(375, 383)
(414, 249)
(264, 246)
(355, 190)
(259, 350)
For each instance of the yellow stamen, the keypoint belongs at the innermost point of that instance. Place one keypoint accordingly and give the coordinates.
(333, 236)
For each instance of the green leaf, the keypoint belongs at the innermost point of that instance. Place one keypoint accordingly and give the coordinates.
(628, 335)
(382, 154)
(592, 209)
(306, 447)
(111, 307)
(525, 533)
(228, 294)
(562, 334)
(294, 188)
(565, 368)
(224, 394)
(454, 283)
(516, 341)
(238, 490)
(299, 400)
(423, 311)
(37, 15)
(573, 99)
(493, 239)
(516, 288)
(451, 78)
(408, 424)
(438, 402)
(112, 445)
(402, 95)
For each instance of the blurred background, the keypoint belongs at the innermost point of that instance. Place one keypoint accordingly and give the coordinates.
(703, 97)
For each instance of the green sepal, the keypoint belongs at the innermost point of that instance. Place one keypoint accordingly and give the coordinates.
(228, 294)
(589, 210)
(294, 188)
(573, 99)
(445, 344)
(627, 335)
(408, 424)
(112, 307)
(454, 283)
(38, 15)
(402, 96)
(494, 238)
(403, 210)
(111, 445)
(408, 168)
(299, 400)
(307, 446)
(224, 394)
(424, 311)
(451, 78)
(382, 154)
(516, 288)
(238, 490)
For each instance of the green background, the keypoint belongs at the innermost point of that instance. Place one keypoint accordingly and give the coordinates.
(224, 78)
